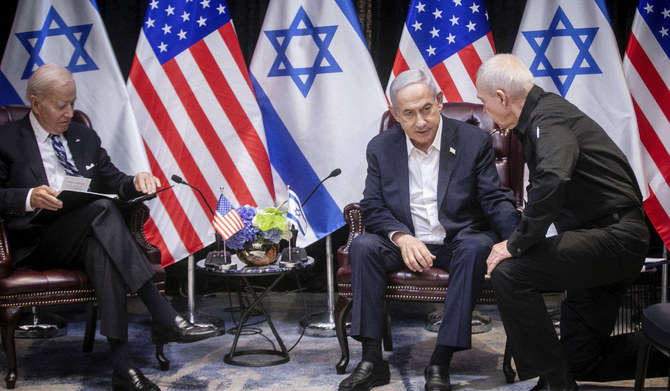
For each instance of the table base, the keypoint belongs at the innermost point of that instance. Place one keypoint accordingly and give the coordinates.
(282, 358)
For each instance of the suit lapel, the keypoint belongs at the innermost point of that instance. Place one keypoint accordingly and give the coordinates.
(77, 150)
(401, 169)
(32, 151)
(448, 153)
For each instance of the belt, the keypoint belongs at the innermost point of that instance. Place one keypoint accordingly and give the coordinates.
(635, 213)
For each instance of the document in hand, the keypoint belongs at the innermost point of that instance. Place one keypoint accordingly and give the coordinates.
(72, 200)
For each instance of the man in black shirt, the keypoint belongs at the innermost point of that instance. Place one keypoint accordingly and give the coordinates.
(582, 183)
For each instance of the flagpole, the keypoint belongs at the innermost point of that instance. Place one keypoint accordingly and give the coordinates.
(322, 324)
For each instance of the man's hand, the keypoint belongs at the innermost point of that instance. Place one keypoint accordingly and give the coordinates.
(498, 254)
(44, 197)
(414, 252)
(146, 183)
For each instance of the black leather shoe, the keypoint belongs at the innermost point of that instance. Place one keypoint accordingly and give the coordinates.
(437, 378)
(183, 331)
(365, 376)
(132, 380)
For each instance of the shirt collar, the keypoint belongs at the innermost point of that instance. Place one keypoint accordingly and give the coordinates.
(40, 134)
(528, 107)
(436, 143)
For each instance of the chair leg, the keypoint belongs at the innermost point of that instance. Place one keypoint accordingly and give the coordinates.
(507, 365)
(342, 308)
(163, 361)
(9, 317)
(91, 325)
(642, 360)
(387, 339)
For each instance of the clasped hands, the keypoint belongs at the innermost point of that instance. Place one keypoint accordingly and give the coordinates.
(44, 197)
(418, 258)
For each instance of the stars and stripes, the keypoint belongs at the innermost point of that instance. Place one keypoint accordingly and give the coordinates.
(199, 119)
(647, 70)
(448, 39)
(226, 219)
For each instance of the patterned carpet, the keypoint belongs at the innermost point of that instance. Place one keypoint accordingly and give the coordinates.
(58, 363)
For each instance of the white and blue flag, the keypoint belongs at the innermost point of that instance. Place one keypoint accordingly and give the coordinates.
(571, 50)
(71, 33)
(321, 101)
(294, 214)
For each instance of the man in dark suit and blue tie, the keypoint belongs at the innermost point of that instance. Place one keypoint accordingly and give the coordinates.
(432, 198)
(36, 153)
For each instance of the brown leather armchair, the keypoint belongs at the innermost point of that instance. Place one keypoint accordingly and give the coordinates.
(31, 288)
(430, 285)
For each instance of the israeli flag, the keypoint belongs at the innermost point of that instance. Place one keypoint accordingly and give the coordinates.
(321, 101)
(295, 214)
(71, 33)
(571, 50)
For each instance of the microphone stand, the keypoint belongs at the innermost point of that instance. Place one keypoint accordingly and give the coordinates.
(193, 316)
(322, 324)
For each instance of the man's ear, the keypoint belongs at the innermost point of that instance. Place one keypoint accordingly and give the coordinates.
(394, 113)
(439, 98)
(504, 99)
(34, 103)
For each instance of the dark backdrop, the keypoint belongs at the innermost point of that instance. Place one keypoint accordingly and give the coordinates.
(382, 23)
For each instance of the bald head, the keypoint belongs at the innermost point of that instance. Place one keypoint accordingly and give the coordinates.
(47, 77)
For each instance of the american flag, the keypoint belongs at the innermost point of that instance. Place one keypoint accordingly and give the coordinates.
(226, 219)
(199, 119)
(647, 69)
(448, 39)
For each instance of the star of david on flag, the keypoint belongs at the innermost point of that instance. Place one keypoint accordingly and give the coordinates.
(582, 64)
(192, 95)
(295, 214)
(448, 40)
(54, 25)
(72, 34)
(647, 70)
(322, 102)
(570, 48)
(324, 62)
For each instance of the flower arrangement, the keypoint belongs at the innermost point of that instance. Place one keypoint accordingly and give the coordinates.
(260, 225)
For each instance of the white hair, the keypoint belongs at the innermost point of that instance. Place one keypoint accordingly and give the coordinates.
(45, 78)
(412, 76)
(505, 72)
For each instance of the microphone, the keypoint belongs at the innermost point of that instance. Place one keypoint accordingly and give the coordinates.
(218, 258)
(293, 254)
(178, 179)
(332, 174)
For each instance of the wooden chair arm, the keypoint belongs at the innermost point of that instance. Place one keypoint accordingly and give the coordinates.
(6, 266)
(354, 219)
(135, 218)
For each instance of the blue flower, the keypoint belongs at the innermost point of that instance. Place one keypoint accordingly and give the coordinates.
(250, 233)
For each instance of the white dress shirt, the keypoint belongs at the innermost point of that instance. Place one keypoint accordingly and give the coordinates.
(424, 170)
(54, 171)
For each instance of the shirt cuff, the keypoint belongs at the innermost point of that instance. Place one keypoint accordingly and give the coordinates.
(29, 208)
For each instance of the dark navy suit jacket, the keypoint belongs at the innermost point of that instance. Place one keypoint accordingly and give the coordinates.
(21, 169)
(470, 196)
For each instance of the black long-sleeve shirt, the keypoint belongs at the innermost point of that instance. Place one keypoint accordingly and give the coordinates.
(577, 173)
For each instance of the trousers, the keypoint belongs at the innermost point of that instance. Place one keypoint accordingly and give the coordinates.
(374, 256)
(592, 266)
(95, 238)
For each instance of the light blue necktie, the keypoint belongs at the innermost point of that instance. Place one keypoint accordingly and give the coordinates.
(69, 168)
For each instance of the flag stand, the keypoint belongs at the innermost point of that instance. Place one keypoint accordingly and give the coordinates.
(199, 317)
(322, 324)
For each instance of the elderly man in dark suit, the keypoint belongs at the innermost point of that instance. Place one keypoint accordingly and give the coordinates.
(36, 153)
(432, 198)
